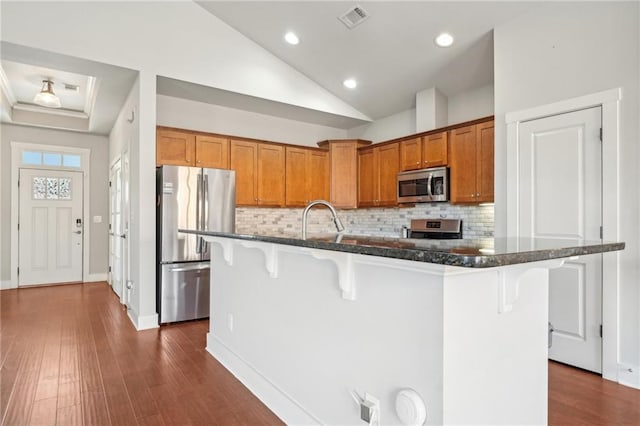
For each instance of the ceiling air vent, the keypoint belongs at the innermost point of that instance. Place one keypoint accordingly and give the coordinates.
(71, 87)
(354, 17)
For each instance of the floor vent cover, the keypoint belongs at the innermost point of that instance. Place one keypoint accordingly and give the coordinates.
(354, 17)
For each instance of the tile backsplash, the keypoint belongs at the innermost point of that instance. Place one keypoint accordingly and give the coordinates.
(477, 221)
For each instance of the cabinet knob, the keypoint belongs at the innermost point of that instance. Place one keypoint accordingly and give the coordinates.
(473, 195)
(426, 161)
(417, 162)
(477, 194)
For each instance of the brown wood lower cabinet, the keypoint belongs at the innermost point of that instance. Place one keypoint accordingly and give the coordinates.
(307, 176)
(377, 171)
(259, 171)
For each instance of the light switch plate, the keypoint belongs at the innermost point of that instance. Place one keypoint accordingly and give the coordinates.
(97, 219)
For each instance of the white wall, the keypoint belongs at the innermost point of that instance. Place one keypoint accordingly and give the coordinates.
(187, 114)
(391, 127)
(584, 48)
(476, 103)
(465, 106)
(98, 189)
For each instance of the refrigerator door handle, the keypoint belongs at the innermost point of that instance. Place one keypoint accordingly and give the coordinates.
(205, 204)
(189, 268)
(199, 213)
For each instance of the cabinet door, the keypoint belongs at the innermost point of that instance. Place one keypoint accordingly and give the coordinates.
(463, 165)
(270, 175)
(243, 159)
(344, 174)
(434, 150)
(367, 178)
(212, 151)
(411, 154)
(296, 177)
(317, 175)
(388, 167)
(175, 148)
(484, 141)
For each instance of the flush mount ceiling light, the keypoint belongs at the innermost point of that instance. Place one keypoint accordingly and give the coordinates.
(444, 40)
(291, 38)
(46, 97)
(350, 83)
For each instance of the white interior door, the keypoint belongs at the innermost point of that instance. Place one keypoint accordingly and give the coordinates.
(115, 229)
(50, 235)
(560, 196)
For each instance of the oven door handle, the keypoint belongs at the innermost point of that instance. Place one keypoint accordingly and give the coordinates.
(429, 180)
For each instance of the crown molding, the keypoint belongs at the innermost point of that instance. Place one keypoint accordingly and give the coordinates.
(52, 111)
(6, 88)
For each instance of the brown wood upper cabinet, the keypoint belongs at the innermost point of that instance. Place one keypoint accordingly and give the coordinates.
(343, 171)
(377, 171)
(259, 171)
(423, 152)
(471, 161)
(212, 151)
(175, 148)
(307, 176)
(183, 148)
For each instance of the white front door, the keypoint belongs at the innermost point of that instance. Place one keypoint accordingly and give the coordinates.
(115, 229)
(560, 196)
(50, 235)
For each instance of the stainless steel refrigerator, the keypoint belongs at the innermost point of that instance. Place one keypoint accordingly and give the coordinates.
(189, 198)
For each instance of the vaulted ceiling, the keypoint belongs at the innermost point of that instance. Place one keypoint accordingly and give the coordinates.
(391, 54)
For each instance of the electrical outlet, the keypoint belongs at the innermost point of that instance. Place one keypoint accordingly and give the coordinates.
(370, 410)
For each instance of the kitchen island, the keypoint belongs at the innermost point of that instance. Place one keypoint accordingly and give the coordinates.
(462, 323)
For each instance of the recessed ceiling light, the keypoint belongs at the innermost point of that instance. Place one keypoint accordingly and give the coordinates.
(291, 38)
(350, 83)
(444, 40)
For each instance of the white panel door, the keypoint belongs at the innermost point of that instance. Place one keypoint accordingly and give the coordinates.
(51, 229)
(560, 196)
(115, 229)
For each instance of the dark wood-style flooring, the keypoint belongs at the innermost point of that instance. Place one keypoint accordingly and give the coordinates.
(69, 355)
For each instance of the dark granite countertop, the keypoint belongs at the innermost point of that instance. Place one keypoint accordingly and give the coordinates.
(469, 253)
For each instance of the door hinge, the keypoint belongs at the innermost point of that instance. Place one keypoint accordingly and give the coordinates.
(109, 268)
(109, 184)
(18, 226)
(600, 134)
(600, 330)
(18, 270)
(601, 232)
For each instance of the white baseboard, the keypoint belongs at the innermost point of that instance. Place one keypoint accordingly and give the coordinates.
(96, 277)
(629, 375)
(7, 285)
(283, 406)
(145, 322)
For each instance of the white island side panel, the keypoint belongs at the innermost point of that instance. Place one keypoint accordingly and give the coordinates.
(281, 323)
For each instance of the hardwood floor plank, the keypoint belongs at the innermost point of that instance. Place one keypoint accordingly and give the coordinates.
(44, 412)
(69, 416)
(94, 408)
(69, 394)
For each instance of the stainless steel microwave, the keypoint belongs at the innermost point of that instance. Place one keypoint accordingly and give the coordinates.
(426, 185)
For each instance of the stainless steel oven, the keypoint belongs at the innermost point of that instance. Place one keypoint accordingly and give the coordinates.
(426, 185)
